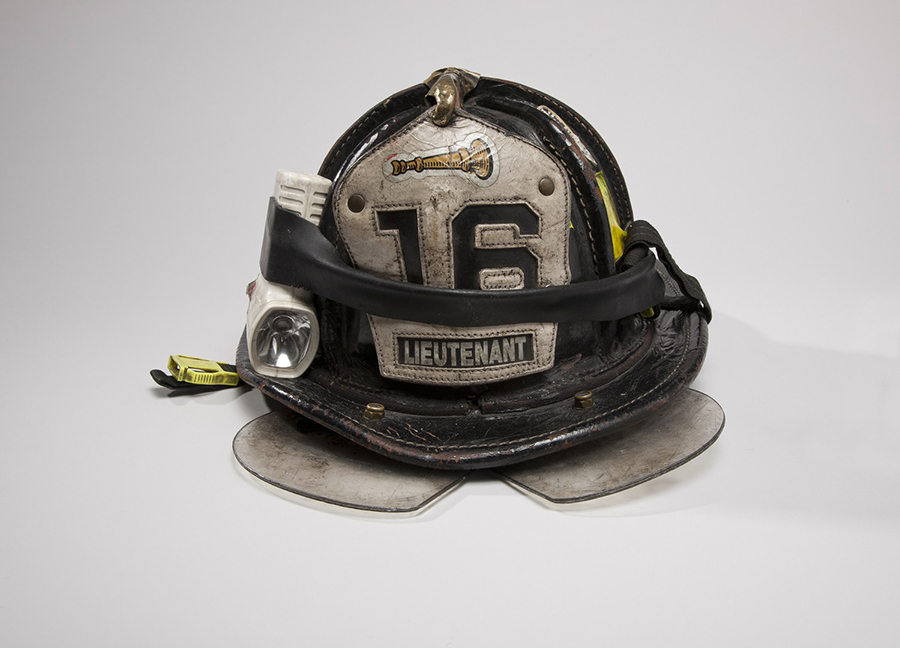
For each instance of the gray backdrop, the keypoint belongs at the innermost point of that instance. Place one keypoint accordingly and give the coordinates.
(138, 145)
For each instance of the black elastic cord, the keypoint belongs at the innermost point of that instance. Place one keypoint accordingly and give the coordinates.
(641, 235)
(295, 253)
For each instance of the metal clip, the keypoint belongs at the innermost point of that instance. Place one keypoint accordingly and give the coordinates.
(448, 87)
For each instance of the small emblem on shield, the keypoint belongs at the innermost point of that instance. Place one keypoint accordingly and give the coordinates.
(474, 159)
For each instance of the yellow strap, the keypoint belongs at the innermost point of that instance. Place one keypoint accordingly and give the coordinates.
(615, 228)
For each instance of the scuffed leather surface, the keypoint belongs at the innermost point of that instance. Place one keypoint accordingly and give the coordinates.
(436, 197)
(347, 342)
(634, 367)
(499, 424)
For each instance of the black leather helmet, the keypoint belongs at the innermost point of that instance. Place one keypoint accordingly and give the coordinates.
(463, 285)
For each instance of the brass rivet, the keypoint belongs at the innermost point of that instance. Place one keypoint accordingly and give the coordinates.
(584, 399)
(374, 411)
(546, 186)
(356, 203)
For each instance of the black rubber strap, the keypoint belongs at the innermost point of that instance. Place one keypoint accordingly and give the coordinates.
(641, 235)
(295, 253)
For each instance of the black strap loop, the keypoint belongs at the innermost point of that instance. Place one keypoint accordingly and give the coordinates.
(295, 253)
(641, 235)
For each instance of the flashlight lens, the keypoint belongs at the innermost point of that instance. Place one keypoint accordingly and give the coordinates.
(283, 339)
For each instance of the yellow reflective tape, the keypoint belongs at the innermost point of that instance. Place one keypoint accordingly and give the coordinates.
(198, 371)
(615, 228)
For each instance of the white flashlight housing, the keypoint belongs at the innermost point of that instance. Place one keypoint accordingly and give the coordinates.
(282, 327)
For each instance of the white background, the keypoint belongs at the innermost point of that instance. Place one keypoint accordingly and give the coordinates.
(138, 144)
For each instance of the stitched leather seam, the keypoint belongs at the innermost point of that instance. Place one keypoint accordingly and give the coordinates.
(685, 346)
(584, 211)
(620, 181)
(341, 191)
(500, 279)
(465, 373)
(396, 237)
(370, 117)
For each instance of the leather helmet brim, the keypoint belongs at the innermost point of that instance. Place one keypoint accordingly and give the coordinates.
(671, 352)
